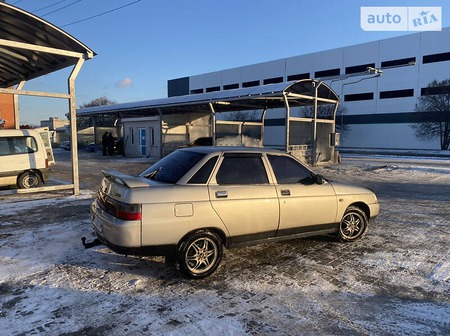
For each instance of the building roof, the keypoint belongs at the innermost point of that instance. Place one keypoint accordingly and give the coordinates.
(31, 47)
(298, 93)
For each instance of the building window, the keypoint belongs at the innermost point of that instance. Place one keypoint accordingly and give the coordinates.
(358, 96)
(358, 68)
(298, 76)
(436, 58)
(152, 136)
(132, 135)
(398, 62)
(250, 84)
(327, 73)
(231, 86)
(178, 87)
(273, 80)
(429, 91)
(213, 89)
(397, 94)
(196, 91)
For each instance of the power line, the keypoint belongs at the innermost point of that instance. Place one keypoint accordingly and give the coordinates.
(57, 10)
(104, 13)
(51, 5)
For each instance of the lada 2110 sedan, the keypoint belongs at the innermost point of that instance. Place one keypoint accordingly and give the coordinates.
(195, 201)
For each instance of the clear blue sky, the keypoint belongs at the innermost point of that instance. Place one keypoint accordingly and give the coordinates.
(141, 46)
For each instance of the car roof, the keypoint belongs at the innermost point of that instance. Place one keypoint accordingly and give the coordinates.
(214, 149)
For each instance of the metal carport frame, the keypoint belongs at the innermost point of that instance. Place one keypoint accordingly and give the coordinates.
(31, 47)
(280, 95)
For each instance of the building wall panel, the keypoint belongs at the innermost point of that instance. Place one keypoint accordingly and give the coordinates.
(394, 51)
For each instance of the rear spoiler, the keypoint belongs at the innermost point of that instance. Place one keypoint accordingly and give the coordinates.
(124, 179)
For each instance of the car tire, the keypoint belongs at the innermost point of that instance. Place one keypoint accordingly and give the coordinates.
(199, 254)
(353, 225)
(28, 180)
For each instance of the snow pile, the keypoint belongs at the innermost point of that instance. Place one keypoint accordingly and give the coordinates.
(244, 140)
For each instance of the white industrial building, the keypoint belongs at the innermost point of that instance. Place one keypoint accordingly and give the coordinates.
(380, 109)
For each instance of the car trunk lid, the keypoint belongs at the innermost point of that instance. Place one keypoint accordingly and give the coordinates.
(125, 179)
(114, 194)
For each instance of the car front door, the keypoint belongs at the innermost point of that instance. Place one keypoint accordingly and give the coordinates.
(304, 204)
(243, 198)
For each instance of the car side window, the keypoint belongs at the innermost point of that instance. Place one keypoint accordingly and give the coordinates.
(242, 169)
(202, 175)
(287, 170)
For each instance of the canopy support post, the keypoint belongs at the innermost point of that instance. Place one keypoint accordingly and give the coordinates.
(288, 117)
(263, 116)
(161, 138)
(16, 105)
(73, 126)
(213, 124)
(314, 126)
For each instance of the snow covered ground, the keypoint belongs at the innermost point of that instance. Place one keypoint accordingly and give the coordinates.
(396, 281)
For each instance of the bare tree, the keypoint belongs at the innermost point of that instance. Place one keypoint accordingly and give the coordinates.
(243, 116)
(98, 102)
(101, 120)
(326, 112)
(434, 108)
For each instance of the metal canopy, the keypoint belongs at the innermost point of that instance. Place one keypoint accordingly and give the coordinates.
(305, 92)
(298, 93)
(31, 47)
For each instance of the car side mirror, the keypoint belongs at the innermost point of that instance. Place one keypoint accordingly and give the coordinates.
(318, 179)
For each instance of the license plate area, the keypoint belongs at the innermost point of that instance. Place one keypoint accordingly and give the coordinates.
(96, 218)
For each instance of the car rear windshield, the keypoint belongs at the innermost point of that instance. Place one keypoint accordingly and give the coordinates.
(173, 167)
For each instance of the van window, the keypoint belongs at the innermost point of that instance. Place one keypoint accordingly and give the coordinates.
(4, 146)
(17, 145)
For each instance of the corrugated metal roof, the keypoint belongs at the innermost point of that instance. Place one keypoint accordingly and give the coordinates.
(252, 98)
(31, 47)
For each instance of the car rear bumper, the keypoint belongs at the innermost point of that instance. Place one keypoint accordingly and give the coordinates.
(114, 230)
(123, 237)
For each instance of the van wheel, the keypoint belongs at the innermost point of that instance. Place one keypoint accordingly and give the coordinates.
(199, 254)
(28, 180)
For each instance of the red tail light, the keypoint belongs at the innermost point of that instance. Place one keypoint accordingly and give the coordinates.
(46, 163)
(128, 211)
(118, 209)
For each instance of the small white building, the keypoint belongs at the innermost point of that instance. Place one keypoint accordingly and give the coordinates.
(142, 137)
(157, 136)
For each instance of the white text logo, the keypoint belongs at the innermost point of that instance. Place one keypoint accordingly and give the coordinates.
(401, 18)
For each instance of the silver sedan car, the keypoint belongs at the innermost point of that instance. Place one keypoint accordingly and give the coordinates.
(195, 201)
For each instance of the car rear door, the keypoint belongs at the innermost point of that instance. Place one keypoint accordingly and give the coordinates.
(243, 198)
(304, 204)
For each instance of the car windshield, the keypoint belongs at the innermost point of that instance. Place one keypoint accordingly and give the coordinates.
(173, 167)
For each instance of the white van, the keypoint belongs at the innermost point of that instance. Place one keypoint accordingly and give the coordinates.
(25, 157)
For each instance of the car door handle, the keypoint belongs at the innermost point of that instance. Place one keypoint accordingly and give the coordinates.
(285, 192)
(221, 194)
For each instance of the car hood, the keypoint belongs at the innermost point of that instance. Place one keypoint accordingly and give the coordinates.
(348, 189)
